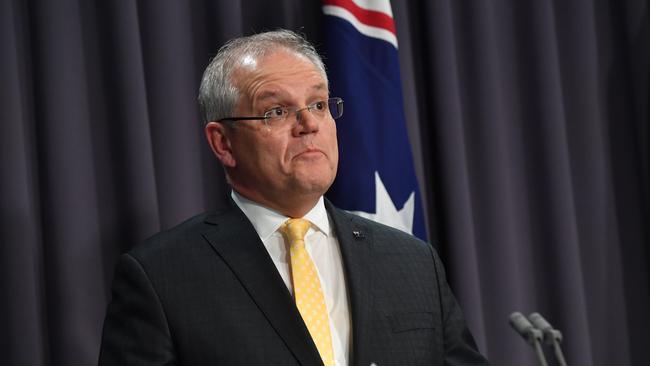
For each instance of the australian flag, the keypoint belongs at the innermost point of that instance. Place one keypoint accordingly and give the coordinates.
(376, 176)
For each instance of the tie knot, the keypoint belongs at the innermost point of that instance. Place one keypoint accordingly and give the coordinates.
(295, 229)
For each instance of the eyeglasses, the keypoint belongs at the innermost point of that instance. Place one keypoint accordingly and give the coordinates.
(280, 116)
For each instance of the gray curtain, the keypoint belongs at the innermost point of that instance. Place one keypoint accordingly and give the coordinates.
(528, 119)
(534, 122)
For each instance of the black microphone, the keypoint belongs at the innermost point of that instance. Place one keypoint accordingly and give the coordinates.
(532, 335)
(552, 336)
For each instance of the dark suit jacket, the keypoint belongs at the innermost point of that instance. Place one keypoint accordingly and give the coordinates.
(207, 293)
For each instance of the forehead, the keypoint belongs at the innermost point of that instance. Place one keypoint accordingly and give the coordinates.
(278, 73)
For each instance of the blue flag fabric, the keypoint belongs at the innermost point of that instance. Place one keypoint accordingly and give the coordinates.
(376, 176)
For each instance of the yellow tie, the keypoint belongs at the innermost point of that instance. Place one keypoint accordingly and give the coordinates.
(307, 290)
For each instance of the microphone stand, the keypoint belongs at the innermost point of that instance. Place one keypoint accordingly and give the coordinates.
(552, 336)
(532, 335)
(558, 353)
(540, 353)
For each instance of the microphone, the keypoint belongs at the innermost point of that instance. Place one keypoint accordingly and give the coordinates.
(531, 334)
(552, 336)
(524, 328)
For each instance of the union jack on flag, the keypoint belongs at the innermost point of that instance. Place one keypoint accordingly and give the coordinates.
(376, 177)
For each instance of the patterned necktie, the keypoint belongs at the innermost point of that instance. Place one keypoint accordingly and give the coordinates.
(307, 289)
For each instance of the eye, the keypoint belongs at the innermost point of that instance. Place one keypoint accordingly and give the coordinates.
(275, 112)
(320, 106)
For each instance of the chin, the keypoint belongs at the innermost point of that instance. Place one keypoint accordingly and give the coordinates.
(316, 178)
(314, 185)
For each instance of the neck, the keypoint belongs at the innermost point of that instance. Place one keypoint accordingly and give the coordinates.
(296, 207)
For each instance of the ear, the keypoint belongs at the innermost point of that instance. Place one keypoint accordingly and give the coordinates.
(218, 136)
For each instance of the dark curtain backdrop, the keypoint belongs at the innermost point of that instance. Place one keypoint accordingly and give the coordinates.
(528, 119)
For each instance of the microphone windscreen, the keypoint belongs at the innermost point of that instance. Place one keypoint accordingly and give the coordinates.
(539, 322)
(520, 324)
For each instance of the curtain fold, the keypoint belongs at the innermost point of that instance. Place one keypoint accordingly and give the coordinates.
(22, 308)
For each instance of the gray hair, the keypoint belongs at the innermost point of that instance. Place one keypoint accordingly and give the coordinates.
(217, 95)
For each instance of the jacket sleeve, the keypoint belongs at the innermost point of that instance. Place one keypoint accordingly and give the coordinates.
(135, 329)
(459, 345)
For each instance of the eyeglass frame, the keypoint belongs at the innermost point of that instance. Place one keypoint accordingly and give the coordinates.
(290, 111)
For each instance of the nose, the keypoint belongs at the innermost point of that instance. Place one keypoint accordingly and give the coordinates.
(307, 122)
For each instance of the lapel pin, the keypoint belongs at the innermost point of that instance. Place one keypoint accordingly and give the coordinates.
(358, 235)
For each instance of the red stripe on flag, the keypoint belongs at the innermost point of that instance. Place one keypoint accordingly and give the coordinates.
(368, 17)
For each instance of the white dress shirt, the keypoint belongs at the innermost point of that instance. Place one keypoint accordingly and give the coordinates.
(323, 247)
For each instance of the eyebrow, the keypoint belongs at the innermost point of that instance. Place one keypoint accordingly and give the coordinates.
(267, 95)
(319, 86)
(273, 93)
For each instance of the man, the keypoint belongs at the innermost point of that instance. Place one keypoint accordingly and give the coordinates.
(281, 277)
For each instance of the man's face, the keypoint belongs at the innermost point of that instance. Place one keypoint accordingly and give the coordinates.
(286, 166)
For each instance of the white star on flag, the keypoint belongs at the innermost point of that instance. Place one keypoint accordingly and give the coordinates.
(386, 212)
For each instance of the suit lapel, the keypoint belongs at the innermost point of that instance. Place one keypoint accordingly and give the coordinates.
(356, 240)
(234, 238)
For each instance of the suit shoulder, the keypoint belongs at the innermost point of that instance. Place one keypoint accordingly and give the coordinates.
(389, 237)
(173, 238)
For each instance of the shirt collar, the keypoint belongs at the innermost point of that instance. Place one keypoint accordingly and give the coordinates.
(267, 221)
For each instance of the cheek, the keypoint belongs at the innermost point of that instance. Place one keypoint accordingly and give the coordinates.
(275, 154)
(333, 144)
(250, 153)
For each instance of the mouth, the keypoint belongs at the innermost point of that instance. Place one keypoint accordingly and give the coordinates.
(311, 153)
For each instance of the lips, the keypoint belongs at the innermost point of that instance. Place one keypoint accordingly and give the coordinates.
(311, 152)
